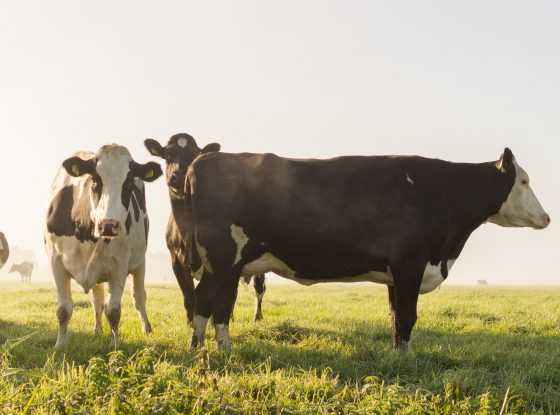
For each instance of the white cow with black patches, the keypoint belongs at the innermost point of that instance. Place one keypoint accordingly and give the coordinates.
(96, 232)
(4, 250)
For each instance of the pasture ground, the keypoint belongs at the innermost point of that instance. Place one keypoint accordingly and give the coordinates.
(324, 349)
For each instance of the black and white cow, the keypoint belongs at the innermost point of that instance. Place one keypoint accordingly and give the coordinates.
(181, 150)
(97, 231)
(4, 250)
(24, 269)
(395, 220)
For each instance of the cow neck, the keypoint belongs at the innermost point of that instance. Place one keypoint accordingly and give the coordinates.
(481, 192)
(179, 211)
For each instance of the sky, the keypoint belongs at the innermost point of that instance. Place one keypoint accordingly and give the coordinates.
(448, 79)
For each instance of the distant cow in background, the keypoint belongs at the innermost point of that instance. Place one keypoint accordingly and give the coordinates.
(482, 283)
(180, 151)
(97, 231)
(24, 269)
(4, 250)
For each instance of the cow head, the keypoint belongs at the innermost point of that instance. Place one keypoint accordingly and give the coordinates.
(179, 153)
(112, 173)
(521, 208)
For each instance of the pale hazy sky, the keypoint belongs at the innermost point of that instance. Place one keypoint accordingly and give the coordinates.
(450, 79)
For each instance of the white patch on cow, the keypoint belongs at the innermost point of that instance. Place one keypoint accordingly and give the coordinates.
(182, 142)
(199, 327)
(222, 337)
(409, 179)
(240, 239)
(269, 263)
(197, 275)
(113, 166)
(521, 208)
(433, 277)
(203, 254)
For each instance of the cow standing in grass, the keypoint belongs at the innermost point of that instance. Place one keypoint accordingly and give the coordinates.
(25, 270)
(180, 151)
(4, 250)
(399, 221)
(97, 232)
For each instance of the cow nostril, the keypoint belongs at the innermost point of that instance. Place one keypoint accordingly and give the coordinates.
(547, 219)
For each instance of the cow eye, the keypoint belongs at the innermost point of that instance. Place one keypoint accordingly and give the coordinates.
(525, 182)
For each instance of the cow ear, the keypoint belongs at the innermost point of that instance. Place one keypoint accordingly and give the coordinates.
(211, 148)
(77, 166)
(505, 163)
(148, 172)
(154, 147)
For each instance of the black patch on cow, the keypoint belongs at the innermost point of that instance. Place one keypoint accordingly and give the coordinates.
(68, 216)
(5, 251)
(146, 227)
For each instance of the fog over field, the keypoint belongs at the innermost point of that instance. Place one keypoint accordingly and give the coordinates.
(452, 80)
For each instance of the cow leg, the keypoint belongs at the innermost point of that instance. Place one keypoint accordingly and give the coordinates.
(97, 300)
(204, 294)
(186, 283)
(407, 280)
(393, 315)
(259, 284)
(113, 306)
(223, 307)
(139, 297)
(64, 300)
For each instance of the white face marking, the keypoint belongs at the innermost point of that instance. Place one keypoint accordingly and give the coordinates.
(182, 142)
(113, 167)
(409, 179)
(521, 208)
(240, 239)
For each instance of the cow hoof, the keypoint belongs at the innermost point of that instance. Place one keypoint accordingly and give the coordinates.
(98, 331)
(258, 317)
(60, 346)
(196, 342)
(148, 329)
(404, 347)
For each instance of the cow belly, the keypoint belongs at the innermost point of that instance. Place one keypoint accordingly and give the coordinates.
(432, 278)
(269, 263)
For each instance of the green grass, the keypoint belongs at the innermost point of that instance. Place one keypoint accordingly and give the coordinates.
(324, 349)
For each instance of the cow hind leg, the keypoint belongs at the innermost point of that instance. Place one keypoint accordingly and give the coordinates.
(64, 299)
(223, 307)
(204, 293)
(403, 299)
(139, 297)
(98, 300)
(259, 284)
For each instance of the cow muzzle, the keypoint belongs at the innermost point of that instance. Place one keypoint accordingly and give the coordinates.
(109, 228)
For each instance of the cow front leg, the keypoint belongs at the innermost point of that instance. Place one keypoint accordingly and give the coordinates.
(393, 316)
(139, 297)
(407, 281)
(98, 300)
(64, 300)
(113, 307)
(185, 281)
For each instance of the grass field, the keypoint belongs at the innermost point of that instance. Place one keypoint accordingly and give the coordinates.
(324, 349)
